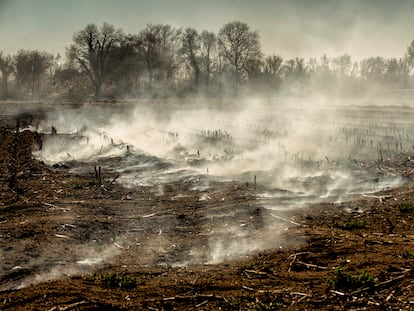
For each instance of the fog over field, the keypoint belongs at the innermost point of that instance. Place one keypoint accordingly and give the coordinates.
(279, 143)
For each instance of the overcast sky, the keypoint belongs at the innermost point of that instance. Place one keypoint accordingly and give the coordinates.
(305, 28)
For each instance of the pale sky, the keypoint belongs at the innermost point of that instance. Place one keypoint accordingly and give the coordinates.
(304, 28)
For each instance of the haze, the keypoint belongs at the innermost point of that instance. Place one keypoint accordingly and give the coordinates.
(303, 28)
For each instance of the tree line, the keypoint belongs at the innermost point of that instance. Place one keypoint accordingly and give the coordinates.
(163, 61)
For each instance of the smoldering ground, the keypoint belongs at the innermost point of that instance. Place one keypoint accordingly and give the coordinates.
(234, 170)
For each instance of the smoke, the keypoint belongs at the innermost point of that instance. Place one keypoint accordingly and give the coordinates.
(237, 241)
(49, 266)
(298, 145)
(285, 153)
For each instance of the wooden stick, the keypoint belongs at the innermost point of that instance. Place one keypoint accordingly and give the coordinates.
(73, 305)
(312, 266)
(256, 272)
(113, 180)
(202, 304)
(294, 258)
(381, 283)
(287, 220)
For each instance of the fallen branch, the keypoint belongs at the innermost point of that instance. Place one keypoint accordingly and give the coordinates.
(286, 220)
(55, 207)
(69, 307)
(379, 197)
(294, 256)
(202, 304)
(256, 272)
(309, 265)
(149, 215)
(381, 284)
(250, 289)
(264, 291)
(51, 205)
(61, 236)
(74, 305)
(304, 296)
(112, 181)
(187, 297)
(337, 293)
(301, 294)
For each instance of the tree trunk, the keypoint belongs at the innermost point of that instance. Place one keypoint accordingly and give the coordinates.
(197, 74)
(236, 84)
(4, 89)
(98, 87)
(207, 78)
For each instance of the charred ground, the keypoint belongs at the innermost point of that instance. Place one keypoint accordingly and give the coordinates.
(56, 226)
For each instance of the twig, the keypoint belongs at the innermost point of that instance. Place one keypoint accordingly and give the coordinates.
(312, 266)
(294, 256)
(113, 180)
(379, 197)
(73, 305)
(149, 215)
(202, 303)
(55, 207)
(304, 296)
(61, 236)
(246, 274)
(301, 294)
(382, 283)
(338, 293)
(51, 205)
(256, 272)
(263, 291)
(185, 297)
(287, 220)
(250, 289)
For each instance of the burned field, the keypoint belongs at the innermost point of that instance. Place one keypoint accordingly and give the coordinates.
(246, 211)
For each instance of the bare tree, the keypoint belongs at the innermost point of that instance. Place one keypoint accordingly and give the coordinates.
(30, 67)
(127, 63)
(272, 65)
(294, 69)
(404, 66)
(272, 68)
(240, 47)
(6, 68)
(191, 49)
(208, 41)
(159, 45)
(149, 41)
(342, 65)
(410, 54)
(92, 48)
(373, 69)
